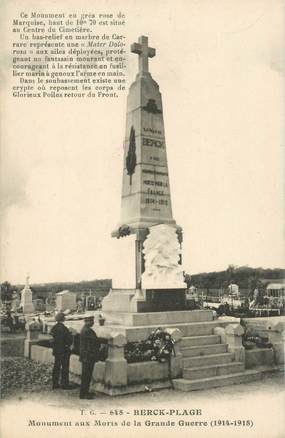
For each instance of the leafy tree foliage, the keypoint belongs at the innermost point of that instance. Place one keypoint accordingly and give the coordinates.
(45, 290)
(244, 276)
(6, 291)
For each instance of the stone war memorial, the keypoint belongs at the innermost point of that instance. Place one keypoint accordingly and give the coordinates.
(146, 210)
(208, 352)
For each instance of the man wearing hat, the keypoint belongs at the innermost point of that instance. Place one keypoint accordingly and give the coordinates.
(89, 349)
(62, 340)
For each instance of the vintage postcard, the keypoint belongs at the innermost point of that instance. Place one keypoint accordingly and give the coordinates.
(142, 219)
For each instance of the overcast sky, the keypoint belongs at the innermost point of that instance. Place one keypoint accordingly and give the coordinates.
(219, 68)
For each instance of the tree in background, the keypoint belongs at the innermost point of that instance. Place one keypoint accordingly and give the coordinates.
(230, 273)
(255, 283)
(6, 291)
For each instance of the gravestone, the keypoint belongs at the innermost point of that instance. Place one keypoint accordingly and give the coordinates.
(146, 210)
(66, 300)
(27, 298)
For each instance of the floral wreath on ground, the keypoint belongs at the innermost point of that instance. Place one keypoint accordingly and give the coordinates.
(157, 347)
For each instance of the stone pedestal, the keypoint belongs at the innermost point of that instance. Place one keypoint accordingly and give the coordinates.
(32, 338)
(134, 320)
(116, 364)
(277, 338)
(234, 334)
(159, 274)
(137, 300)
(176, 361)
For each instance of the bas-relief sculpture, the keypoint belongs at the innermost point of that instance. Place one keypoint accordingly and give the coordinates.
(162, 252)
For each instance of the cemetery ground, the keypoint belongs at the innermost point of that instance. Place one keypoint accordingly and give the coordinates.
(24, 379)
(26, 389)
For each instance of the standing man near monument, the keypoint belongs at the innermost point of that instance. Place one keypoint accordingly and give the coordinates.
(62, 340)
(89, 353)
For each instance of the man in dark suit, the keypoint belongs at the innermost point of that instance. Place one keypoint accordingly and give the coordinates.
(62, 340)
(89, 352)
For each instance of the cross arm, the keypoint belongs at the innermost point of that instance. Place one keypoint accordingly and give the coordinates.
(136, 48)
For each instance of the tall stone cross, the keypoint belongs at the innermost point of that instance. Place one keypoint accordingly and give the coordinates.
(146, 199)
(141, 48)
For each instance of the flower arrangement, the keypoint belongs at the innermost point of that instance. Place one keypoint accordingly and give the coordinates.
(251, 341)
(123, 231)
(157, 347)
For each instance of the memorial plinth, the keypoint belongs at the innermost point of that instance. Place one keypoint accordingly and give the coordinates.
(146, 209)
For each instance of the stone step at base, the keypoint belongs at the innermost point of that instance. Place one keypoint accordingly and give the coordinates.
(261, 356)
(212, 370)
(157, 318)
(204, 350)
(211, 359)
(216, 381)
(200, 329)
(138, 333)
(192, 341)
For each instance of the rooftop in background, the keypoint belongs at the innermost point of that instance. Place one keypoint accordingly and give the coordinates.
(276, 286)
(64, 292)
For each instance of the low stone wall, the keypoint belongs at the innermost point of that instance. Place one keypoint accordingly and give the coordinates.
(10, 346)
(146, 372)
(75, 369)
(137, 372)
(41, 354)
(44, 355)
(115, 375)
(271, 328)
(258, 357)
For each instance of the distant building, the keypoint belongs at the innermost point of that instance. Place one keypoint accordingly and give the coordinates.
(275, 294)
(275, 289)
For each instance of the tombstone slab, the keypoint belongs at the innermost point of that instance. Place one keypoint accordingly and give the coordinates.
(66, 300)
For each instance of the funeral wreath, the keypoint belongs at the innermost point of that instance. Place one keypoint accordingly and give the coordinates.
(157, 347)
